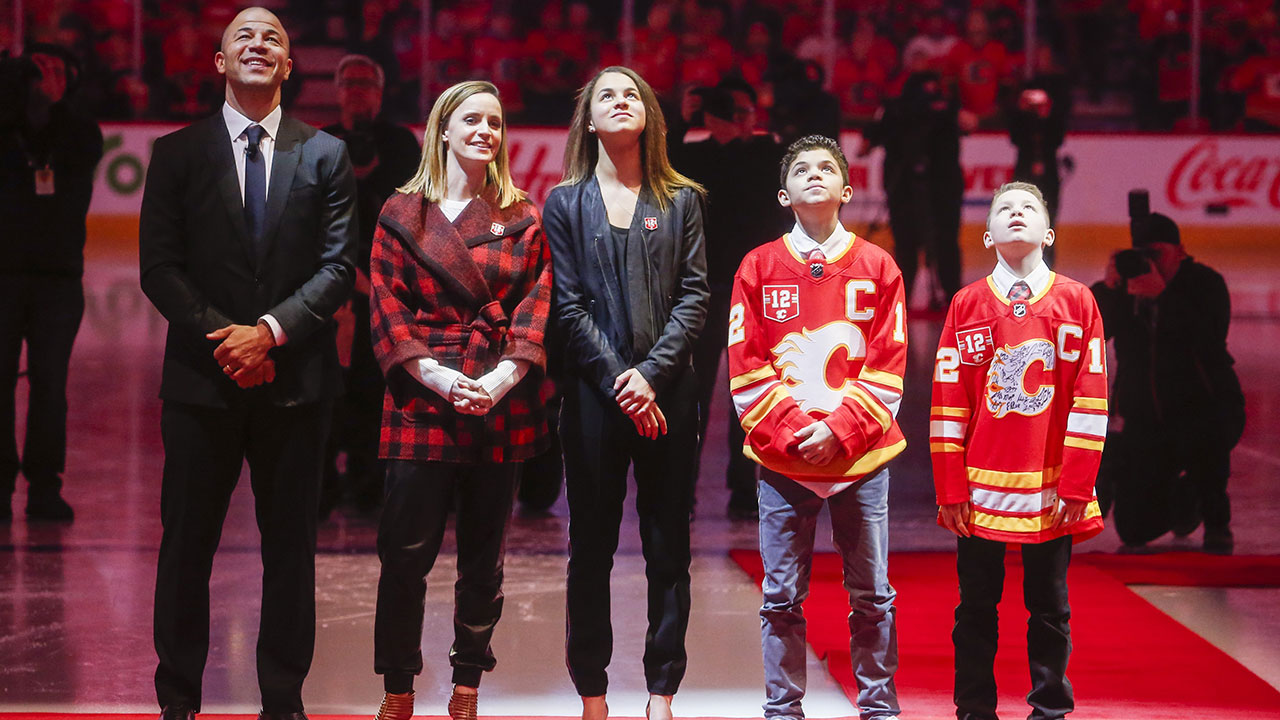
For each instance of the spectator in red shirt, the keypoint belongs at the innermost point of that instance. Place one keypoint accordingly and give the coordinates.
(500, 57)
(979, 65)
(657, 50)
(862, 73)
(1258, 79)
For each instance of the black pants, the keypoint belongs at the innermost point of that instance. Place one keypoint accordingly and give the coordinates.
(45, 312)
(740, 477)
(599, 444)
(204, 449)
(418, 498)
(980, 566)
(1166, 481)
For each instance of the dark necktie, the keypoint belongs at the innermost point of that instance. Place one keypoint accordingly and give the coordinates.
(255, 184)
(1020, 292)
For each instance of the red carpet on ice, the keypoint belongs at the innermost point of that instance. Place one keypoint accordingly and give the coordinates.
(1130, 660)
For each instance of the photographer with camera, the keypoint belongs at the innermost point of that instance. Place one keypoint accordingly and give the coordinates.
(48, 153)
(1177, 406)
(384, 156)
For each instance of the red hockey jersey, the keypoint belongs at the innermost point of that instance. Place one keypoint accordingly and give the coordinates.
(831, 347)
(1019, 408)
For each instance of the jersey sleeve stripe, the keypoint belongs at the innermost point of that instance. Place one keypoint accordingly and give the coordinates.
(1075, 442)
(1087, 424)
(1089, 403)
(878, 412)
(880, 377)
(752, 376)
(891, 399)
(752, 416)
(945, 447)
(943, 411)
(948, 429)
(745, 398)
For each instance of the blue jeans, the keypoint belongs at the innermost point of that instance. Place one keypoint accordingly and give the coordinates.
(860, 530)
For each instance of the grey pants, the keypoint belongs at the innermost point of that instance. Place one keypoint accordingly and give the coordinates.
(860, 530)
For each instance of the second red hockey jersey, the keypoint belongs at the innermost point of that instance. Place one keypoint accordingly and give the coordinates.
(1019, 409)
(806, 346)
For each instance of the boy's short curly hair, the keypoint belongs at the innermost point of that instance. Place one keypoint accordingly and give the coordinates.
(813, 142)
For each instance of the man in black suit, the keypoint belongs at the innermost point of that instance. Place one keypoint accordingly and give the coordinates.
(247, 246)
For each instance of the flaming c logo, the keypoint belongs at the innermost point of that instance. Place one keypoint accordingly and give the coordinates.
(801, 359)
(1007, 377)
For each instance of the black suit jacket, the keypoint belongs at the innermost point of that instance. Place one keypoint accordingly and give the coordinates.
(199, 268)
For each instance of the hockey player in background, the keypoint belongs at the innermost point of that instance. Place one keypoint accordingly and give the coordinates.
(1017, 423)
(817, 350)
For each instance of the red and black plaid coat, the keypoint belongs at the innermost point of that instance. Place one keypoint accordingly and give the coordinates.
(469, 294)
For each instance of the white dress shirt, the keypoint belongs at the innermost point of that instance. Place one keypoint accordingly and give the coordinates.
(832, 247)
(237, 124)
(1038, 279)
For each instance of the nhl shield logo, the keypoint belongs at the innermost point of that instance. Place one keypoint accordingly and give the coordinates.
(651, 223)
(1019, 309)
(497, 229)
(781, 302)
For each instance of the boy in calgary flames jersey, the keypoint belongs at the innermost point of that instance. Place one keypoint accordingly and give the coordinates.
(1016, 429)
(817, 350)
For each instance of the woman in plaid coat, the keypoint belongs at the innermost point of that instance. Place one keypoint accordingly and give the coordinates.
(461, 293)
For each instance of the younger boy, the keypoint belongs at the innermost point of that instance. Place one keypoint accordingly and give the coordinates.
(1016, 429)
(817, 350)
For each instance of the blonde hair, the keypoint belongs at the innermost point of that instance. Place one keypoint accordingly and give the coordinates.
(582, 151)
(432, 176)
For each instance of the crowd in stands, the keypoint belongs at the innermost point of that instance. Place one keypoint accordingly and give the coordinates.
(1133, 55)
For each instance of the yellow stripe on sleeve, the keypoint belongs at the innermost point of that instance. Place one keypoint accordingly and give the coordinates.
(872, 406)
(945, 447)
(880, 377)
(1083, 444)
(1088, 403)
(751, 376)
(942, 411)
(752, 417)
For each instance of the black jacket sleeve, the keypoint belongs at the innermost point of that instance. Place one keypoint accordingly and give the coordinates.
(585, 345)
(691, 296)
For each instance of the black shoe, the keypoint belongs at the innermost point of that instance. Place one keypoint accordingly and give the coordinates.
(1219, 541)
(177, 712)
(49, 507)
(264, 715)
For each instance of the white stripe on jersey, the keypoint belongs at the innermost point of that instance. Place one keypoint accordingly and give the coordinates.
(1087, 424)
(746, 397)
(891, 398)
(948, 429)
(1007, 502)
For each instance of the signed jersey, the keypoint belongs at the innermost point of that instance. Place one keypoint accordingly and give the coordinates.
(1020, 409)
(818, 343)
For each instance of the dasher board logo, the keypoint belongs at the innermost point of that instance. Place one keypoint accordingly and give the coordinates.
(781, 302)
(975, 345)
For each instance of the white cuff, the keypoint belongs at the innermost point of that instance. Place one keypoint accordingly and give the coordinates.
(433, 375)
(276, 331)
(501, 379)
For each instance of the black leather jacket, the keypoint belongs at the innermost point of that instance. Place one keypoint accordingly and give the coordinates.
(665, 299)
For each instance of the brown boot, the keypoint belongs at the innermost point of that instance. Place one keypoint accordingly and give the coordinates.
(462, 706)
(396, 706)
